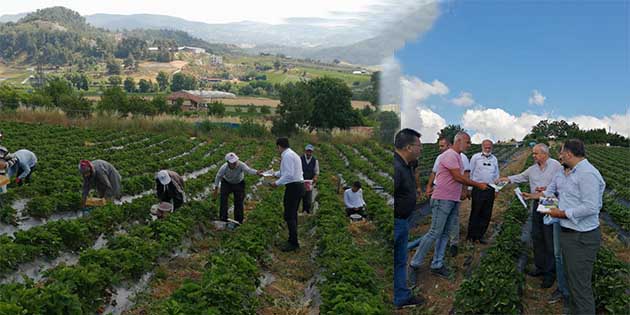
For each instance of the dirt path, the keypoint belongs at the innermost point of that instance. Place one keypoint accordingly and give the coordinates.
(293, 274)
(440, 292)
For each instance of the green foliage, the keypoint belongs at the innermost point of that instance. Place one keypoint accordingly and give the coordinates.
(216, 109)
(113, 67)
(130, 85)
(162, 80)
(449, 132)
(183, 81)
(389, 123)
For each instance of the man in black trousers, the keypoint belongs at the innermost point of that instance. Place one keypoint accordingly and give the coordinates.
(290, 175)
(310, 171)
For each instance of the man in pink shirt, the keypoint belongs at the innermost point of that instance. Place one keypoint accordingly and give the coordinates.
(444, 204)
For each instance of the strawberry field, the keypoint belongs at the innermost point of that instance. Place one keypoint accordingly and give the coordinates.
(117, 259)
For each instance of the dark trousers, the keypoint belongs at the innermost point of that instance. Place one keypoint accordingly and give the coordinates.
(239, 196)
(579, 251)
(307, 201)
(480, 213)
(292, 195)
(359, 210)
(28, 177)
(542, 239)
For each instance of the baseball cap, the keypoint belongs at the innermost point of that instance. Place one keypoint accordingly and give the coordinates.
(163, 177)
(231, 157)
(309, 147)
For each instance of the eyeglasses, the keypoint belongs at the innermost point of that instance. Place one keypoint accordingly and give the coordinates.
(487, 164)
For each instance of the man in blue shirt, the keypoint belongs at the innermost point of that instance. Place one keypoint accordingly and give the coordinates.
(580, 236)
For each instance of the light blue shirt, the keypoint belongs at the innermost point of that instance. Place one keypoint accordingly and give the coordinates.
(558, 184)
(25, 160)
(290, 168)
(581, 199)
(537, 176)
(484, 169)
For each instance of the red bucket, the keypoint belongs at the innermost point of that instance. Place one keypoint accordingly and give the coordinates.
(308, 184)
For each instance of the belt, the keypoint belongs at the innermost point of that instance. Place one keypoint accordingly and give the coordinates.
(568, 230)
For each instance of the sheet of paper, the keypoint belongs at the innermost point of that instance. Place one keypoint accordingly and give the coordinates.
(519, 194)
(497, 187)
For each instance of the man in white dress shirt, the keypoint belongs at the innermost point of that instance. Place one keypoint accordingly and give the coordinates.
(484, 168)
(290, 175)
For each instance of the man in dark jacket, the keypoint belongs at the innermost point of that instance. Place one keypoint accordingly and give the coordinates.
(169, 187)
(310, 171)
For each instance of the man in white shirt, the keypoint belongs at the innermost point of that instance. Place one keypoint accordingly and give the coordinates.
(484, 168)
(290, 175)
(353, 199)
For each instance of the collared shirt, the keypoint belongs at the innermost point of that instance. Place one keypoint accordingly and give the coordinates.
(290, 168)
(558, 184)
(25, 160)
(233, 175)
(484, 169)
(582, 198)
(465, 162)
(536, 176)
(353, 199)
(405, 193)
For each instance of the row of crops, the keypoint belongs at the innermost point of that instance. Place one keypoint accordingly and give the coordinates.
(135, 244)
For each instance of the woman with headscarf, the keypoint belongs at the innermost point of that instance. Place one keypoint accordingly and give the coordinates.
(99, 175)
(169, 187)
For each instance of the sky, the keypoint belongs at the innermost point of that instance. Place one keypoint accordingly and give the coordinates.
(498, 67)
(269, 11)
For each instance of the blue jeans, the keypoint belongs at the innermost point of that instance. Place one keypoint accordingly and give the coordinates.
(443, 214)
(402, 293)
(557, 253)
(453, 235)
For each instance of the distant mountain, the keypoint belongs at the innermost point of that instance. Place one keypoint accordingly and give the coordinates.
(246, 34)
(11, 17)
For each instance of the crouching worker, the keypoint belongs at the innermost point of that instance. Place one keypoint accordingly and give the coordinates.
(169, 187)
(353, 198)
(101, 176)
(23, 167)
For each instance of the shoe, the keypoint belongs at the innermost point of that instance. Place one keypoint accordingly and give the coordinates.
(453, 250)
(412, 302)
(412, 277)
(441, 272)
(535, 273)
(547, 282)
(290, 247)
(555, 297)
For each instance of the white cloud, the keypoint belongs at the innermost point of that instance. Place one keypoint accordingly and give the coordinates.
(464, 99)
(430, 124)
(414, 92)
(537, 98)
(497, 124)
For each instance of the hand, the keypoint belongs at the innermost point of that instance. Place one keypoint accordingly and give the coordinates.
(502, 179)
(273, 185)
(557, 213)
(419, 191)
(540, 188)
(482, 186)
(18, 180)
(259, 172)
(428, 191)
(528, 196)
(215, 192)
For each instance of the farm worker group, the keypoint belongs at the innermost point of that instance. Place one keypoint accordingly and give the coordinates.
(565, 239)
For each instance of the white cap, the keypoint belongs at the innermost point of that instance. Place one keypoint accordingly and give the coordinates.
(231, 157)
(309, 147)
(163, 177)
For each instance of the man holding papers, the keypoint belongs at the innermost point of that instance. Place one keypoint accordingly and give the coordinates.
(539, 177)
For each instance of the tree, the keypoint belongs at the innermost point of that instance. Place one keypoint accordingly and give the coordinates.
(295, 109)
(145, 86)
(246, 90)
(332, 107)
(130, 85)
(216, 109)
(9, 98)
(449, 132)
(114, 80)
(176, 107)
(57, 87)
(114, 99)
(76, 106)
(389, 123)
(160, 103)
(130, 62)
(162, 80)
(113, 67)
(183, 82)
(373, 91)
